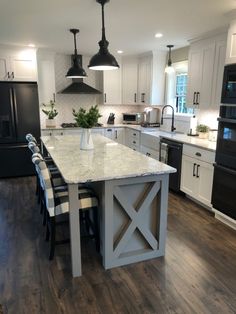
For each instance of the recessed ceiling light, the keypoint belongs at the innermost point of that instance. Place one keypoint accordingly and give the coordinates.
(120, 51)
(158, 35)
(31, 45)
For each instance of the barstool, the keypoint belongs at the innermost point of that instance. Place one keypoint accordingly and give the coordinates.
(57, 204)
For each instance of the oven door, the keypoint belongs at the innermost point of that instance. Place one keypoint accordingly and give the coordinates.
(226, 143)
(224, 190)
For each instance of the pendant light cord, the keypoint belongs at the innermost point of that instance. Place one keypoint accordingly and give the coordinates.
(103, 24)
(75, 44)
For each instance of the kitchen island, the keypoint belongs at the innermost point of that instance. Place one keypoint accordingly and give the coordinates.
(133, 193)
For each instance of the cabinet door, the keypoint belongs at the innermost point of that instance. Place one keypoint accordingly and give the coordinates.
(188, 176)
(46, 78)
(118, 135)
(109, 132)
(207, 67)
(112, 86)
(194, 75)
(129, 81)
(205, 179)
(4, 67)
(23, 68)
(218, 73)
(144, 80)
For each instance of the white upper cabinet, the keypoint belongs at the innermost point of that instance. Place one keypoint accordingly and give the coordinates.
(112, 86)
(46, 76)
(129, 80)
(144, 80)
(205, 74)
(18, 65)
(231, 44)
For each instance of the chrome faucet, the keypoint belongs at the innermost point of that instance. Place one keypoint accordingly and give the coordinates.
(172, 118)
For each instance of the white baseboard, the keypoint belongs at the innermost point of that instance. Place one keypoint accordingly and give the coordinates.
(225, 219)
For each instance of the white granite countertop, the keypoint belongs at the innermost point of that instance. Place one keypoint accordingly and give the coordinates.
(107, 161)
(183, 138)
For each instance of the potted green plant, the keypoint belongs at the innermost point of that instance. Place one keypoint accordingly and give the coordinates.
(203, 130)
(51, 113)
(86, 120)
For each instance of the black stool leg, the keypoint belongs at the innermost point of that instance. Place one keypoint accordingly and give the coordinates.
(52, 237)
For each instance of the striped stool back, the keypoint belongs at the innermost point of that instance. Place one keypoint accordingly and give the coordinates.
(33, 147)
(30, 138)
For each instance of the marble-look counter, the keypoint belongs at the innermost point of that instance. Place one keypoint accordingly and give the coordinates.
(108, 160)
(185, 139)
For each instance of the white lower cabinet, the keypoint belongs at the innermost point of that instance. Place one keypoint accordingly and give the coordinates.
(197, 174)
(132, 139)
(115, 134)
(149, 152)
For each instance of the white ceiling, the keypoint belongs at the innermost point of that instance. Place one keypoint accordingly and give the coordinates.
(130, 24)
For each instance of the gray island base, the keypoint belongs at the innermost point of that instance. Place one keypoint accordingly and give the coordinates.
(133, 219)
(133, 193)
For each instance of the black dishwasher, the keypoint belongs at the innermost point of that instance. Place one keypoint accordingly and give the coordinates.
(171, 154)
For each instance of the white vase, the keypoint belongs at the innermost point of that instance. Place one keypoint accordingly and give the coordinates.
(86, 142)
(50, 123)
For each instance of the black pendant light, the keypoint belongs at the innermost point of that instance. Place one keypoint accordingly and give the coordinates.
(103, 60)
(76, 71)
(169, 68)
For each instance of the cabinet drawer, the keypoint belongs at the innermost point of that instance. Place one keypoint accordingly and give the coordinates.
(199, 153)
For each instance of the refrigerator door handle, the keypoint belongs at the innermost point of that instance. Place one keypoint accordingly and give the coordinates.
(15, 109)
(12, 112)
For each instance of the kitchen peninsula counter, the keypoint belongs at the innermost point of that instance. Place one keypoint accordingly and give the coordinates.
(133, 193)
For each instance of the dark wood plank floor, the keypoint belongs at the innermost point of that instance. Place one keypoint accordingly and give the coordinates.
(197, 275)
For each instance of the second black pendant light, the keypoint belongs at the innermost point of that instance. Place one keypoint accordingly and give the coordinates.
(76, 71)
(103, 60)
(169, 68)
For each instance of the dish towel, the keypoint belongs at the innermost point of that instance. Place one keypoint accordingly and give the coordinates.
(164, 153)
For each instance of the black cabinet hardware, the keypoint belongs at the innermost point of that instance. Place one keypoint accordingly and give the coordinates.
(105, 97)
(194, 96)
(148, 154)
(198, 166)
(116, 134)
(54, 97)
(197, 98)
(12, 75)
(194, 167)
(143, 97)
(198, 154)
(135, 97)
(134, 142)
(8, 74)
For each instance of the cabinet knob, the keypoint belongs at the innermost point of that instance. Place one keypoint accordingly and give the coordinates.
(134, 142)
(198, 154)
(134, 134)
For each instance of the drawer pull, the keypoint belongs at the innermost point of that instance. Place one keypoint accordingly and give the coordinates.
(194, 167)
(198, 154)
(134, 134)
(198, 166)
(148, 154)
(134, 142)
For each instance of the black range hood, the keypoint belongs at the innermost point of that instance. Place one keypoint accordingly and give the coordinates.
(78, 86)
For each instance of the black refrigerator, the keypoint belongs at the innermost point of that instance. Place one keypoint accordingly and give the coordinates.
(19, 115)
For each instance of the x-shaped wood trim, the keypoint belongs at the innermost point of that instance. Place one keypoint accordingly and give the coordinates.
(136, 218)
